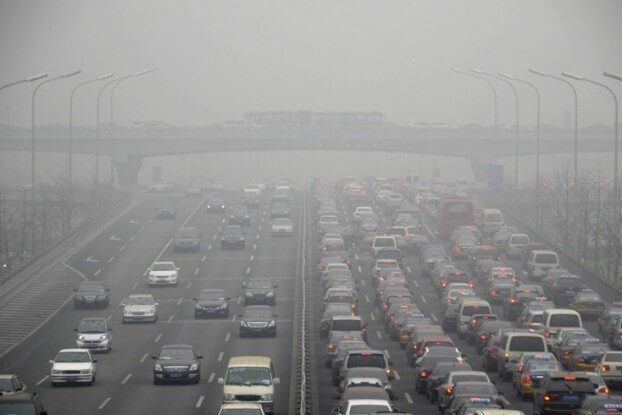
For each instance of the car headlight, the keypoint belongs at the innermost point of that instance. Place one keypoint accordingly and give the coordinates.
(222, 306)
(80, 337)
(193, 367)
(267, 397)
(150, 312)
(101, 297)
(248, 294)
(56, 372)
(270, 295)
(208, 206)
(271, 323)
(157, 367)
(103, 337)
(223, 206)
(228, 397)
(243, 323)
(198, 306)
(126, 312)
(85, 371)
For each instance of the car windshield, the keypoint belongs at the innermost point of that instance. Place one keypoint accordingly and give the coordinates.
(594, 349)
(163, 267)
(591, 297)
(542, 367)
(6, 384)
(212, 295)
(142, 300)
(258, 312)
(546, 259)
(384, 242)
(475, 309)
(92, 288)
(282, 221)
(176, 354)
(368, 409)
(248, 376)
(73, 357)
(519, 240)
(92, 326)
(259, 284)
(187, 233)
(494, 217)
(17, 408)
(241, 411)
(469, 378)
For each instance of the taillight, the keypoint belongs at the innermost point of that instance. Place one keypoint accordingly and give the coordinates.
(520, 369)
(493, 292)
(527, 379)
(513, 300)
(547, 334)
(604, 390)
(604, 368)
(566, 352)
(548, 398)
(449, 390)
(483, 337)
(507, 356)
(423, 374)
(332, 346)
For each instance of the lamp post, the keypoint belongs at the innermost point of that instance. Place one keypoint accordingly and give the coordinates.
(32, 148)
(114, 87)
(615, 129)
(492, 88)
(535, 89)
(576, 117)
(29, 79)
(516, 125)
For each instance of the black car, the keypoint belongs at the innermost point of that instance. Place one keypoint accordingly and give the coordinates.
(21, 403)
(215, 205)
(177, 363)
(232, 236)
(519, 296)
(561, 392)
(166, 212)
(92, 294)
(259, 291)
(600, 404)
(239, 215)
(187, 239)
(257, 320)
(211, 303)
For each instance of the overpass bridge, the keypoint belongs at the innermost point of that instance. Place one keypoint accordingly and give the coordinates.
(130, 146)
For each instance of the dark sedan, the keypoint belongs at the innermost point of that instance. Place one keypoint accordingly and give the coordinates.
(166, 212)
(258, 320)
(177, 363)
(232, 236)
(215, 205)
(92, 294)
(211, 303)
(258, 291)
(239, 215)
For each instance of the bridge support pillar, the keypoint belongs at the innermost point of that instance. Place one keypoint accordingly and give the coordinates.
(128, 167)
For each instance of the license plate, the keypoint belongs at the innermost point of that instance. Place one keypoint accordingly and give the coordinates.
(257, 330)
(72, 379)
(571, 398)
(91, 346)
(175, 375)
(618, 367)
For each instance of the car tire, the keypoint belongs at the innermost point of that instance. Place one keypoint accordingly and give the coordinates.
(155, 381)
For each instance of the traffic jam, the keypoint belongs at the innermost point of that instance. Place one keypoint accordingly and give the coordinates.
(427, 300)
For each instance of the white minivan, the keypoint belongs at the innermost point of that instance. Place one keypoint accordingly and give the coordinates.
(467, 308)
(540, 262)
(554, 319)
(516, 245)
(383, 242)
(492, 221)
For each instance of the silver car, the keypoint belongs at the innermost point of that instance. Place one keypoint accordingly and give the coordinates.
(94, 334)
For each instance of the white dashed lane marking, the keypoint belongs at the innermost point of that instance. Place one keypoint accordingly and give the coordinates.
(125, 379)
(180, 300)
(220, 355)
(103, 404)
(408, 398)
(110, 259)
(97, 272)
(46, 377)
(145, 356)
(211, 378)
(204, 258)
(379, 335)
(170, 319)
(199, 401)
(424, 300)
(227, 337)
(157, 339)
(433, 316)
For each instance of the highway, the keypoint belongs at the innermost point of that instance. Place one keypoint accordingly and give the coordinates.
(120, 257)
(428, 301)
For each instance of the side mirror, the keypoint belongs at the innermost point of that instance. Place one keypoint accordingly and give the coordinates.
(275, 286)
(221, 381)
(154, 357)
(51, 362)
(395, 408)
(177, 269)
(76, 330)
(276, 381)
(199, 357)
(156, 304)
(463, 355)
(94, 360)
(335, 411)
(275, 315)
(109, 328)
(107, 290)
(195, 299)
(390, 362)
(228, 299)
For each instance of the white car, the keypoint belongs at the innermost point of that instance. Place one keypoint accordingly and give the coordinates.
(73, 366)
(282, 226)
(163, 273)
(364, 406)
(139, 307)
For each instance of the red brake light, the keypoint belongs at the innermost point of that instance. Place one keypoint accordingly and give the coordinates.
(570, 378)
(520, 369)
(365, 353)
(604, 390)
(547, 334)
(493, 292)
(483, 337)
(513, 300)
(527, 378)
(547, 398)
(449, 390)
(332, 346)
(423, 374)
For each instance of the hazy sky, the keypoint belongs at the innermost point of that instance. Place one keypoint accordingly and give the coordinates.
(217, 59)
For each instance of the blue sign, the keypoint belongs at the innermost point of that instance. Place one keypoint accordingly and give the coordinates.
(495, 177)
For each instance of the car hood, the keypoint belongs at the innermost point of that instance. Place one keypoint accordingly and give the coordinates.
(162, 273)
(168, 362)
(71, 365)
(259, 291)
(139, 308)
(211, 302)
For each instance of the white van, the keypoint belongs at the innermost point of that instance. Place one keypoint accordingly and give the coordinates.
(511, 345)
(516, 245)
(554, 319)
(492, 221)
(360, 211)
(540, 262)
(467, 308)
(382, 242)
(250, 376)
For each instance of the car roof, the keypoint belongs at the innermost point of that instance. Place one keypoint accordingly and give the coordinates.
(255, 361)
(258, 307)
(74, 350)
(241, 405)
(177, 346)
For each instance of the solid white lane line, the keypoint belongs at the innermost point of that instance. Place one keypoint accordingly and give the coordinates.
(196, 271)
(248, 270)
(170, 319)
(416, 283)
(134, 286)
(157, 339)
(366, 298)
(379, 335)
(199, 401)
(103, 404)
(189, 285)
(125, 379)
(146, 272)
(220, 355)
(132, 237)
(433, 316)
(356, 256)
(252, 258)
(211, 377)
(110, 259)
(142, 359)
(360, 269)
(180, 300)
(397, 375)
(46, 377)
(227, 337)
(209, 247)
(424, 300)
(204, 258)
(97, 272)
(408, 398)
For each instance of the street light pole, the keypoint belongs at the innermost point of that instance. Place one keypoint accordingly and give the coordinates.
(29, 79)
(116, 84)
(516, 124)
(492, 88)
(99, 96)
(576, 118)
(32, 148)
(535, 89)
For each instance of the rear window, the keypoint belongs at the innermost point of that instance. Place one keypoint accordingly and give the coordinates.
(346, 325)
(367, 360)
(537, 318)
(613, 357)
(384, 242)
(546, 259)
(438, 343)
(519, 240)
(494, 217)
(527, 344)
(576, 282)
(469, 310)
(564, 320)
(340, 299)
(469, 378)
(17, 408)
(567, 385)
